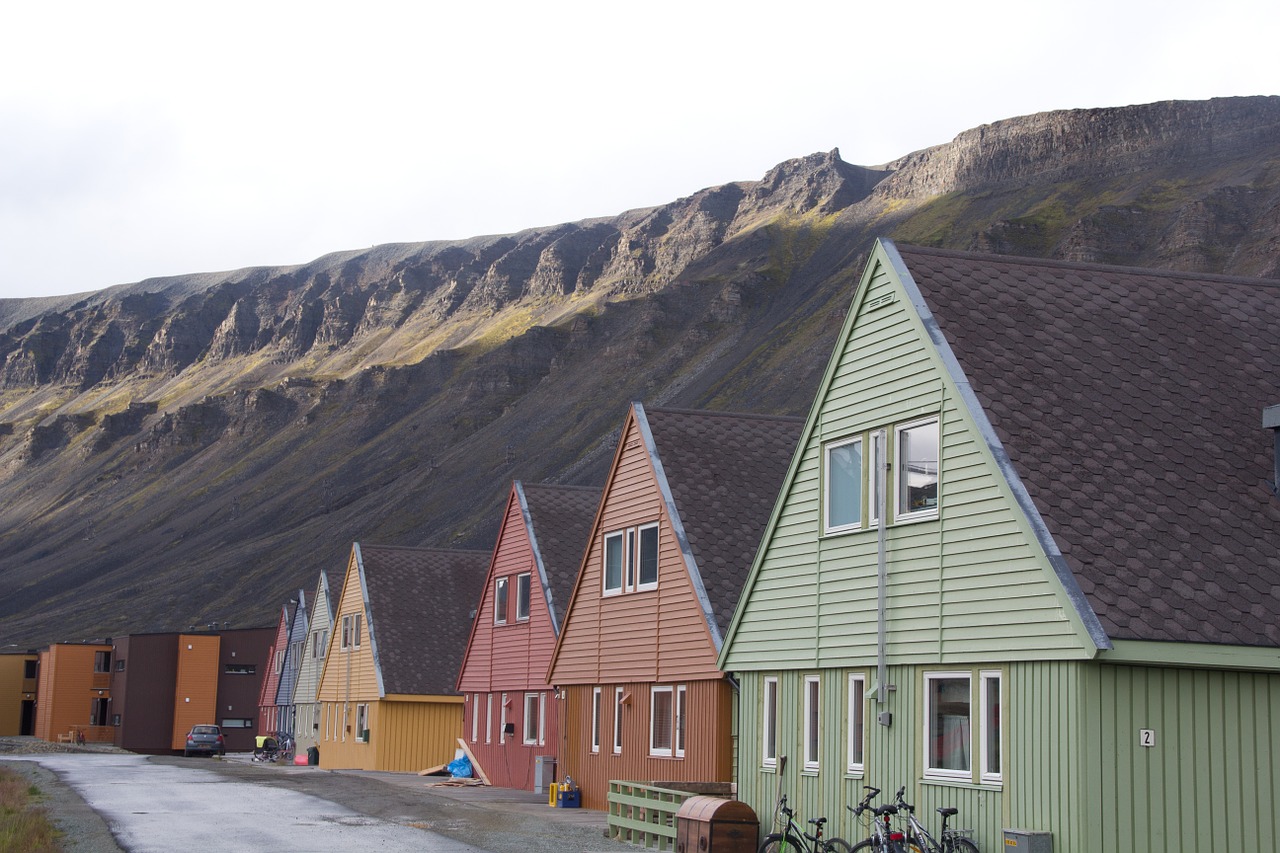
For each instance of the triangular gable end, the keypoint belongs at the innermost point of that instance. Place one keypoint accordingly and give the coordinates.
(478, 624)
(636, 425)
(908, 343)
(354, 574)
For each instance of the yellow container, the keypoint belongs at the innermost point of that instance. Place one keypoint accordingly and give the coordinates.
(554, 789)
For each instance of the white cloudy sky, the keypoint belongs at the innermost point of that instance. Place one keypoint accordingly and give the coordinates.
(141, 139)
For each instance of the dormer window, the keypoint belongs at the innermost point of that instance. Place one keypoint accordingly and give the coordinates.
(631, 560)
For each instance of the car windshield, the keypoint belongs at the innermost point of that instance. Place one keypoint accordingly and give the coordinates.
(205, 730)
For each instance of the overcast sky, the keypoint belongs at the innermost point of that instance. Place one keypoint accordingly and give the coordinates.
(151, 139)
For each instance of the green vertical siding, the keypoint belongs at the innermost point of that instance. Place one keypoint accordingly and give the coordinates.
(1209, 782)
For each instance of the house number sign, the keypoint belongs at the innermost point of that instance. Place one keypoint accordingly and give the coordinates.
(1146, 737)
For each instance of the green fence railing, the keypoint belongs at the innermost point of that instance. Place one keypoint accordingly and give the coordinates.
(644, 815)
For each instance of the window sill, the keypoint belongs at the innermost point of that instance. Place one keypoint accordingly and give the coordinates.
(968, 784)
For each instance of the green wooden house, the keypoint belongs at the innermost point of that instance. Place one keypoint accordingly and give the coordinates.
(1026, 561)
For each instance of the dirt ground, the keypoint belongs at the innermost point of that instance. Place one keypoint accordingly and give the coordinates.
(496, 819)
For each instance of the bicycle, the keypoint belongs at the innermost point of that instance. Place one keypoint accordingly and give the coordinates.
(918, 839)
(789, 839)
(881, 838)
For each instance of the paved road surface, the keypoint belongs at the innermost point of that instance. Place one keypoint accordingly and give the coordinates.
(159, 808)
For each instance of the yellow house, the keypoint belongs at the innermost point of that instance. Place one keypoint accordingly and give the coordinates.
(387, 693)
(17, 693)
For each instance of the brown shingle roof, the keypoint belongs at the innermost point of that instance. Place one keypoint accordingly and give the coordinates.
(724, 471)
(1130, 405)
(561, 517)
(420, 604)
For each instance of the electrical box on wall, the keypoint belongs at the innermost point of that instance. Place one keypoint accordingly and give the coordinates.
(1028, 841)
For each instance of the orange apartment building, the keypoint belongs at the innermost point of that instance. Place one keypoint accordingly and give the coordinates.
(74, 693)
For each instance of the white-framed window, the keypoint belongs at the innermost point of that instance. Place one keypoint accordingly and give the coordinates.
(990, 699)
(532, 718)
(614, 554)
(661, 720)
(524, 585)
(947, 725)
(769, 722)
(279, 662)
(500, 601)
(542, 718)
(631, 560)
(812, 720)
(843, 485)
(596, 707)
(502, 722)
(488, 718)
(916, 457)
(648, 558)
(475, 717)
(682, 697)
(362, 723)
(351, 631)
(319, 639)
(857, 722)
(617, 720)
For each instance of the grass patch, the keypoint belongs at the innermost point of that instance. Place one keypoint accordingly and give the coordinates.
(24, 824)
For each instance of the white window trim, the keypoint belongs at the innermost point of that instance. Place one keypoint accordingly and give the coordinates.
(501, 600)
(488, 718)
(531, 737)
(502, 721)
(355, 630)
(597, 706)
(622, 567)
(657, 546)
(475, 717)
(527, 578)
(680, 720)
(653, 719)
(617, 720)
(931, 772)
(988, 776)
(879, 448)
(542, 718)
(900, 492)
(812, 763)
(362, 721)
(857, 703)
(827, 527)
(769, 722)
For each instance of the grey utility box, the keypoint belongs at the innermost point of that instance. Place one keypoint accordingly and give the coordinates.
(1028, 841)
(544, 773)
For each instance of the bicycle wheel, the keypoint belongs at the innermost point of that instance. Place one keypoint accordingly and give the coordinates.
(836, 845)
(780, 843)
(962, 845)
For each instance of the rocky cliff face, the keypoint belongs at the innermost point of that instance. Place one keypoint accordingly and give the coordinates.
(185, 449)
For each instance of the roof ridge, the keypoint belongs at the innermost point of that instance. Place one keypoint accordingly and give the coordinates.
(1060, 263)
(718, 413)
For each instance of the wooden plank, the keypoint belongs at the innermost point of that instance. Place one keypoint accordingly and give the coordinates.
(475, 765)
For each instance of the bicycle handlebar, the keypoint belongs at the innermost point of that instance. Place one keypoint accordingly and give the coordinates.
(901, 803)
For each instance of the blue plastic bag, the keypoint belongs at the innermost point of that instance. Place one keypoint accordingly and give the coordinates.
(459, 768)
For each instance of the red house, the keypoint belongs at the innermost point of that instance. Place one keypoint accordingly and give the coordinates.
(510, 716)
(268, 711)
(682, 513)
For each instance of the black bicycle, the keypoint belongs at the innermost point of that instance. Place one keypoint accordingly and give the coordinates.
(793, 839)
(918, 839)
(881, 837)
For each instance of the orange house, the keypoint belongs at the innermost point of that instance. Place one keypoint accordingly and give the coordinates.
(74, 693)
(682, 513)
(504, 672)
(388, 690)
(18, 693)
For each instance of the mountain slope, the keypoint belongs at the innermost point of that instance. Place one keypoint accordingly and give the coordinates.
(188, 450)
